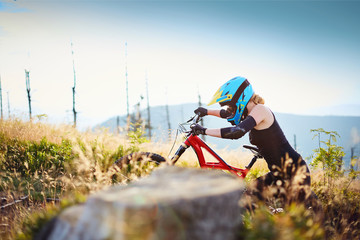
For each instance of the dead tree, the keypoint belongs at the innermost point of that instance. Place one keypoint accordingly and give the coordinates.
(73, 89)
(148, 109)
(168, 117)
(168, 120)
(8, 98)
(74, 110)
(136, 121)
(127, 91)
(28, 89)
(118, 124)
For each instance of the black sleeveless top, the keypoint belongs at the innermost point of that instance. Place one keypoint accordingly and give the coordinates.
(273, 145)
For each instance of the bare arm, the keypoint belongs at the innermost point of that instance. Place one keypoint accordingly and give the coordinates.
(222, 113)
(215, 132)
(259, 118)
(263, 116)
(215, 113)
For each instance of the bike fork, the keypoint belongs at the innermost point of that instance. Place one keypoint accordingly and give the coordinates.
(178, 153)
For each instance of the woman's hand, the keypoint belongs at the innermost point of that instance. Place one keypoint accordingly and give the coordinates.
(198, 129)
(201, 111)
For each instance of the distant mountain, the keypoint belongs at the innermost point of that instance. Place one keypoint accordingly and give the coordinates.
(296, 128)
(338, 110)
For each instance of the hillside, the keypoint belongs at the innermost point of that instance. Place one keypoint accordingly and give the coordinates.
(348, 128)
(46, 169)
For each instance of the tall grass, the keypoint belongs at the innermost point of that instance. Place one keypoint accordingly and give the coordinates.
(54, 166)
(45, 164)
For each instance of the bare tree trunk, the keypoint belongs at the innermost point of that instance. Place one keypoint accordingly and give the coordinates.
(168, 120)
(74, 110)
(127, 92)
(118, 124)
(8, 98)
(168, 116)
(74, 87)
(28, 89)
(148, 109)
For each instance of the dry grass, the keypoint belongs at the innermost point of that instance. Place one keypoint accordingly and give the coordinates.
(86, 174)
(90, 171)
(33, 131)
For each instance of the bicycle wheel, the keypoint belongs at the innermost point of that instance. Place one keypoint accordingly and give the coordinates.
(139, 156)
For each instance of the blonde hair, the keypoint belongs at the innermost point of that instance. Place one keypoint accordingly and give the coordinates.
(257, 99)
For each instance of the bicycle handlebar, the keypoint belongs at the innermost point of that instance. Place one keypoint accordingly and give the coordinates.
(196, 118)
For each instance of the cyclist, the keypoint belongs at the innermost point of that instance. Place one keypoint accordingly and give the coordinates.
(246, 111)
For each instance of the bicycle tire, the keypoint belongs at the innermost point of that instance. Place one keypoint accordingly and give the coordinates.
(139, 156)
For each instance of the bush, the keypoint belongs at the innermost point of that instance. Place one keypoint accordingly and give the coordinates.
(294, 223)
(329, 157)
(27, 157)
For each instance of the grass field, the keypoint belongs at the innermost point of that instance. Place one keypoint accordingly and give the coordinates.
(45, 168)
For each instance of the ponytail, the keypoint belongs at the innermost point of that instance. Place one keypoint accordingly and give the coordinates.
(257, 99)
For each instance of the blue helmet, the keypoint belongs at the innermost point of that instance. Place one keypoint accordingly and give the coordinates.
(236, 92)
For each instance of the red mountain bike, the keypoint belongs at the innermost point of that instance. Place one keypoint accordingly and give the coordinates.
(192, 140)
(199, 146)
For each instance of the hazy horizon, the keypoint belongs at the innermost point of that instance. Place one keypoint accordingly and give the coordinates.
(301, 56)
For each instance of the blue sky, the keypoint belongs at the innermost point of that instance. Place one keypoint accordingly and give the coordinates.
(299, 55)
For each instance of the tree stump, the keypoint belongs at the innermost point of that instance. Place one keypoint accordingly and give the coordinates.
(172, 203)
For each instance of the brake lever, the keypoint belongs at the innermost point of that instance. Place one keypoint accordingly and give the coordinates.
(194, 119)
(197, 118)
(190, 120)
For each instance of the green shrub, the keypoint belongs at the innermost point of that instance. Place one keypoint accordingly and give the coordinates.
(340, 202)
(294, 223)
(136, 138)
(329, 157)
(26, 157)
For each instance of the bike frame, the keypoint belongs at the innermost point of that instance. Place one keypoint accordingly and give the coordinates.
(199, 145)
